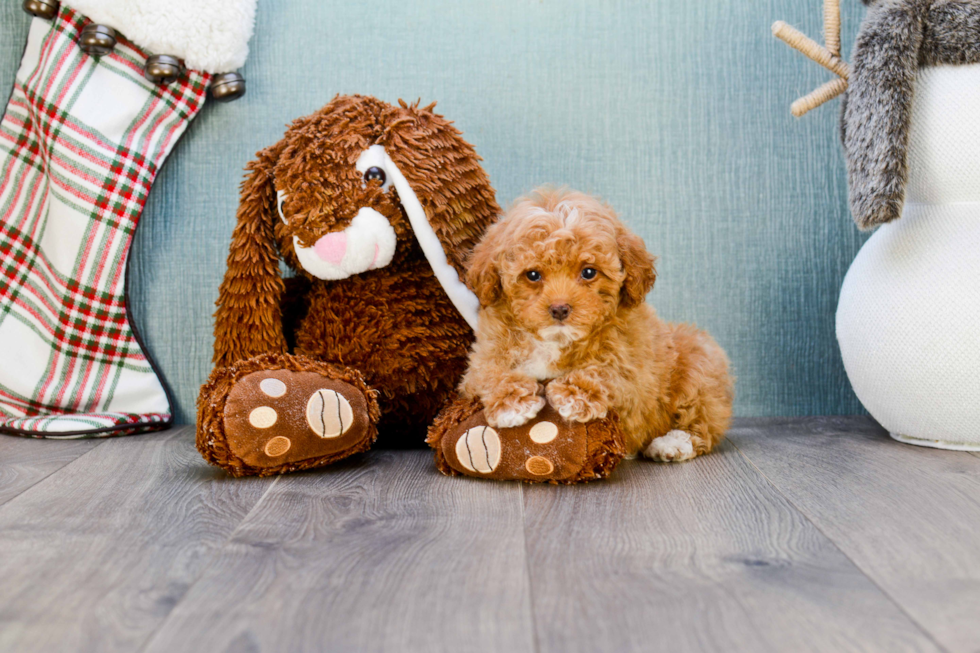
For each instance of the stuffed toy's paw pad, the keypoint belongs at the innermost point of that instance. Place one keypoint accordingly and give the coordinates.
(546, 449)
(278, 413)
(543, 449)
(283, 416)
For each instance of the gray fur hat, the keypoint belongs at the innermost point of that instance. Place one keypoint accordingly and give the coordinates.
(896, 38)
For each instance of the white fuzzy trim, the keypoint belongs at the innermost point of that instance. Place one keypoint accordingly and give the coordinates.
(209, 35)
(462, 298)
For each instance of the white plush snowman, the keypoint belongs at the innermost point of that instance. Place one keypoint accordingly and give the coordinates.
(908, 320)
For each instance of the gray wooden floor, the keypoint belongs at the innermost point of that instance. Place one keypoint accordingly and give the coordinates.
(796, 535)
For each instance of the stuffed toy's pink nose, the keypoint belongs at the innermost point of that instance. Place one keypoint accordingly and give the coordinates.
(332, 247)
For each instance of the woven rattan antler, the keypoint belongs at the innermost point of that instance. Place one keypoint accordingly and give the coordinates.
(827, 56)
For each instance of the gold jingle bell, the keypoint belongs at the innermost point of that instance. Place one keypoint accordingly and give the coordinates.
(227, 87)
(163, 69)
(97, 40)
(46, 9)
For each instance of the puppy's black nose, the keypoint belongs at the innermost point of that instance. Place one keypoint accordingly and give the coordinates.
(559, 311)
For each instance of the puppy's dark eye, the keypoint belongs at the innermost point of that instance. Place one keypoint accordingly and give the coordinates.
(533, 275)
(375, 173)
(589, 273)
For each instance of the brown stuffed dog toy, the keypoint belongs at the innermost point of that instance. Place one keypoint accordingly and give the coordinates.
(375, 207)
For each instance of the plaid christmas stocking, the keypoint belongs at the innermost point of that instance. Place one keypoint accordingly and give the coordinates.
(80, 144)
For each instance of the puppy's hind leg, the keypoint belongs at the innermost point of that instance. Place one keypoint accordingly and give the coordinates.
(701, 398)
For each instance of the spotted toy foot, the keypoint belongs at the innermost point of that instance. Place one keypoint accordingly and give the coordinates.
(546, 449)
(277, 413)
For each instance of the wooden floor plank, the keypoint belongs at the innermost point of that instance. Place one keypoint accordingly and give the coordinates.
(696, 556)
(26, 461)
(378, 553)
(95, 556)
(908, 516)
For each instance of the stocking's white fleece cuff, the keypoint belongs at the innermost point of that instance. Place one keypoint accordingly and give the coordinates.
(209, 35)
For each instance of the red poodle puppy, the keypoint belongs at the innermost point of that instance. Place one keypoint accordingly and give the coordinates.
(562, 283)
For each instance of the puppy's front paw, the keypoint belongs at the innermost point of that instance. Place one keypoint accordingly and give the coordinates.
(514, 406)
(575, 402)
(674, 446)
(515, 412)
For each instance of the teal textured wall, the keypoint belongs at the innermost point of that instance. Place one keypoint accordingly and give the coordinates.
(675, 112)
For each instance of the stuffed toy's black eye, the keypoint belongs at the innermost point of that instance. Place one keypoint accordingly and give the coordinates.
(533, 275)
(375, 173)
(589, 273)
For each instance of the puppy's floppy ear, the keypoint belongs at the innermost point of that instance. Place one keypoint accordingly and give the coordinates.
(638, 266)
(483, 273)
(248, 321)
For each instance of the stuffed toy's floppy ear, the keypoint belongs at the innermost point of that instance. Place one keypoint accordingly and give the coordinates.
(638, 266)
(875, 121)
(444, 190)
(248, 321)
